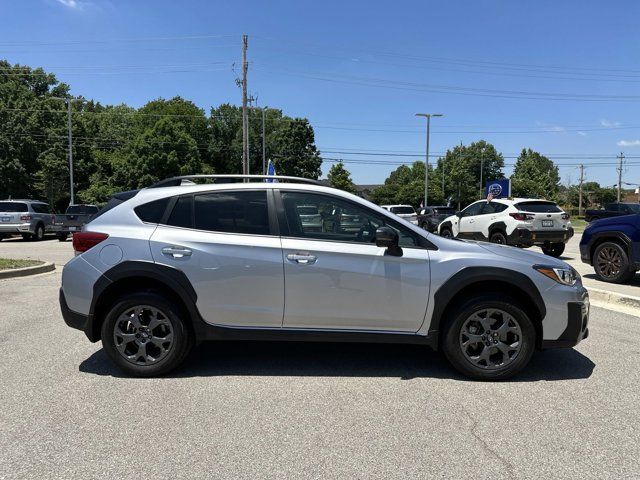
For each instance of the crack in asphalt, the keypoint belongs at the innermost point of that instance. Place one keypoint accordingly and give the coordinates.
(509, 466)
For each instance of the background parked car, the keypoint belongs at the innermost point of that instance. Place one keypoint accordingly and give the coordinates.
(615, 209)
(405, 211)
(430, 217)
(29, 218)
(73, 220)
(612, 246)
(522, 222)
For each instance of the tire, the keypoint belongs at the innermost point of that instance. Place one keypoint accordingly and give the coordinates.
(424, 226)
(553, 250)
(498, 237)
(26, 236)
(62, 237)
(611, 263)
(124, 339)
(446, 233)
(39, 234)
(501, 362)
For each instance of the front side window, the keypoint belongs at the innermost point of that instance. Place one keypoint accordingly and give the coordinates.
(338, 220)
(232, 212)
(473, 209)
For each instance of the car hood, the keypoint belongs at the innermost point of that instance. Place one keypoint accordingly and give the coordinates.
(525, 256)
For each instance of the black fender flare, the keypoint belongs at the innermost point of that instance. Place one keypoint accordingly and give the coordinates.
(171, 278)
(484, 275)
(446, 225)
(498, 226)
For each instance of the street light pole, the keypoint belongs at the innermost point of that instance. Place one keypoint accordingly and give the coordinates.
(426, 160)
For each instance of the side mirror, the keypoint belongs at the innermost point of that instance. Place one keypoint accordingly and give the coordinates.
(388, 238)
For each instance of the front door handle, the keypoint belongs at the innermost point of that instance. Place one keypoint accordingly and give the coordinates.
(302, 258)
(177, 252)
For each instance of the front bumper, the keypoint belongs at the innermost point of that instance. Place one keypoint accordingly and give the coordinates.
(577, 325)
(526, 237)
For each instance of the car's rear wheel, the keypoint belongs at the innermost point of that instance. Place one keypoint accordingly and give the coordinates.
(39, 233)
(62, 237)
(489, 338)
(498, 237)
(146, 335)
(611, 263)
(446, 233)
(553, 249)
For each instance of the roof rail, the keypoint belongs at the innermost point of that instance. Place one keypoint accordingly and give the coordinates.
(176, 181)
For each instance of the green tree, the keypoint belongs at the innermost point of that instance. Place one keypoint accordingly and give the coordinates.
(461, 170)
(339, 177)
(406, 185)
(535, 176)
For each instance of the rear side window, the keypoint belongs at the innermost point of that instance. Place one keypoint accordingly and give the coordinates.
(181, 213)
(13, 207)
(232, 212)
(152, 212)
(538, 207)
(40, 208)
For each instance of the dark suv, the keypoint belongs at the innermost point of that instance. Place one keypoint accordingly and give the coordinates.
(612, 246)
(430, 217)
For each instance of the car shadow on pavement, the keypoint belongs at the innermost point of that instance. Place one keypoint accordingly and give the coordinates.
(342, 360)
(635, 281)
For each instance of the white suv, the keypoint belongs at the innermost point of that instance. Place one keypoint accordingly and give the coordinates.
(403, 211)
(522, 222)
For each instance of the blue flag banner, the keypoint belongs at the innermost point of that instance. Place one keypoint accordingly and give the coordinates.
(499, 188)
(271, 170)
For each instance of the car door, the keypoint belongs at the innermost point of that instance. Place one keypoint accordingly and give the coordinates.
(225, 243)
(339, 279)
(467, 226)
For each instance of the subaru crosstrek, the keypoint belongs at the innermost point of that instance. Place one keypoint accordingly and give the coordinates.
(174, 264)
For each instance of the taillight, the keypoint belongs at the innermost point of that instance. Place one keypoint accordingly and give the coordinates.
(565, 216)
(83, 241)
(25, 218)
(521, 216)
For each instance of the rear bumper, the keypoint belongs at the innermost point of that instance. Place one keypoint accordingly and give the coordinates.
(577, 326)
(526, 237)
(72, 319)
(15, 228)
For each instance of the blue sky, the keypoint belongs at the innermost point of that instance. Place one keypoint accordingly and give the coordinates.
(559, 77)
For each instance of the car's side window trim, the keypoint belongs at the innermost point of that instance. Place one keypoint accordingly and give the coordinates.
(284, 226)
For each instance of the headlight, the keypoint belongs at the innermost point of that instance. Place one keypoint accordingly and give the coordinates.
(565, 276)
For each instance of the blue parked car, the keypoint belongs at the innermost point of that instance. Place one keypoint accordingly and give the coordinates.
(612, 246)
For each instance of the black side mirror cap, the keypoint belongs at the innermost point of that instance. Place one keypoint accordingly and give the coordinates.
(388, 238)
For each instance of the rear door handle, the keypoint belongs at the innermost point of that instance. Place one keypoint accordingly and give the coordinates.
(302, 258)
(176, 252)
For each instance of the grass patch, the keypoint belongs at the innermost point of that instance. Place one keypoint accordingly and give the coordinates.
(579, 224)
(9, 263)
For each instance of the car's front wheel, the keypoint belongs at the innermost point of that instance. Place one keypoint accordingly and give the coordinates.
(611, 263)
(489, 338)
(146, 335)
(498, 237)
(553, 249)
(446, 233)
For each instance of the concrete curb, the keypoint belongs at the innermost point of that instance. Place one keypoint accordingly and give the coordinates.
(615, 301)
(23, 272)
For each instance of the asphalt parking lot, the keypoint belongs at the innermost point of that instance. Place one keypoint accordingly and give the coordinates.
(251, 410)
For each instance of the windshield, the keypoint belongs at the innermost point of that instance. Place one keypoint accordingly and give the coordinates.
(403, 210)
(444, 211)
(82, 209)
(12, 207)
(538, 207)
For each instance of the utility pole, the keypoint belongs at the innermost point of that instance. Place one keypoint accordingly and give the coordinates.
(621, 158)
(443, 194)
(580, 191)
(426, 160)
(245, 119)
(264, 145)
(71, 189)
(481, 168)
